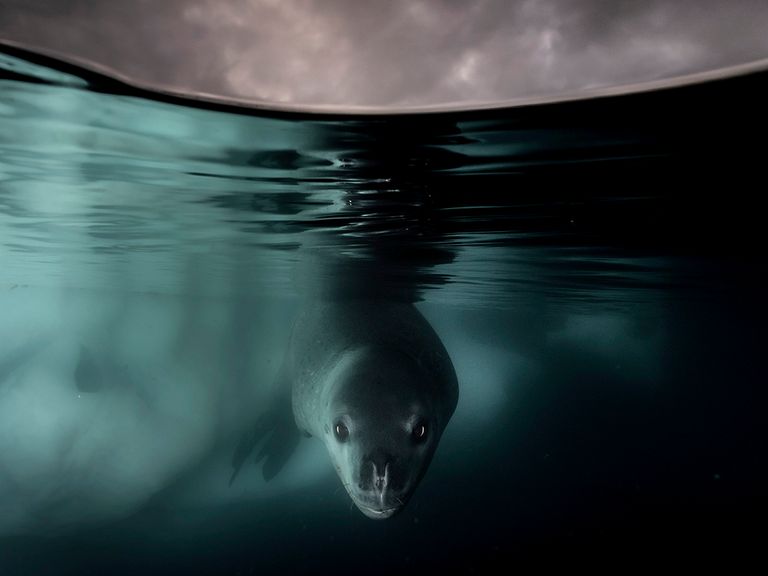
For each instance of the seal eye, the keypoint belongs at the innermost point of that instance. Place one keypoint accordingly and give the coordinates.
(419, 432)
(341, 432)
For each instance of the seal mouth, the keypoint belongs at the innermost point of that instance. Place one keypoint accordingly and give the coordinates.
(379, 508)
(378, 514)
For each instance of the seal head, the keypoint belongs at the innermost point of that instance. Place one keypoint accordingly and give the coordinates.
(382, 428)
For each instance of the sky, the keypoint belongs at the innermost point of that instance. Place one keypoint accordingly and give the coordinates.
(395, 53)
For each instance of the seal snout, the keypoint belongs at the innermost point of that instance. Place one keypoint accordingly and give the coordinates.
(380, 480)
(378, 495)
(375, 474)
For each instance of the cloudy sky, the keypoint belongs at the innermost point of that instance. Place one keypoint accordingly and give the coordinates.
(394, 53)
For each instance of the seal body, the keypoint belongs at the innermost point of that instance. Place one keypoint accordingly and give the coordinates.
(373, 381)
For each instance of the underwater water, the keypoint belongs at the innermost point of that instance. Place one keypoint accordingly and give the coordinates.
(592, 269)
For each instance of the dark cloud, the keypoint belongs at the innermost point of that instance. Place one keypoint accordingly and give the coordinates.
(397, 53)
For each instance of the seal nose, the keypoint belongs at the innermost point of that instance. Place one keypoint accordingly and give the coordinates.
(376, 472)
(380, 476)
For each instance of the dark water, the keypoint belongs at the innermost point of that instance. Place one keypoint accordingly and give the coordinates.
(594, 269)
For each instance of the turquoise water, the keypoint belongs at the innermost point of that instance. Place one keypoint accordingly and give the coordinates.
(592, 269)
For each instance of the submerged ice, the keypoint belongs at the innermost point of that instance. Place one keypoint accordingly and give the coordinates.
(169, 388)
(110, 406)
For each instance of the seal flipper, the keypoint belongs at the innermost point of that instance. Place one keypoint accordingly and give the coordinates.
(89, 376)
(276, 429)
(248, 442)
(278, 449)
(275, 452)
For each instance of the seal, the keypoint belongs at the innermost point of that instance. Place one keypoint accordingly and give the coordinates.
(373, 381)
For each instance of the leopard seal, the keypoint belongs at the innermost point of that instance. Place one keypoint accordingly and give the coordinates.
(372, 380)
